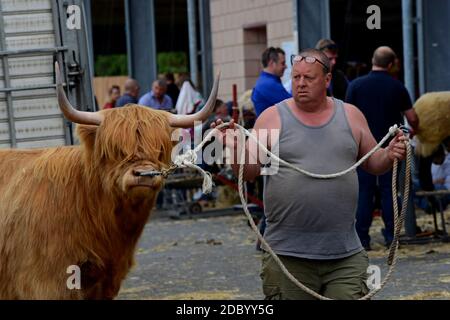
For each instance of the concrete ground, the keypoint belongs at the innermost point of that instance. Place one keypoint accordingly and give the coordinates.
(215, 258)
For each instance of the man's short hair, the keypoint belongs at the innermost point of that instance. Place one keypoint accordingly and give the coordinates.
(271, 53)
(160, 82)
(327, 45)
(131, 84)
(320, 55)
(382, 58)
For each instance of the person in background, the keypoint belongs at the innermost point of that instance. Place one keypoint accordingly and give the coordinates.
(131, 93)
(268, 89)
(157, 97)
(189, 99)
(172, 89)
(339, 82)
(113, 96)
(383, 100)
(440, 171)
(220, 112)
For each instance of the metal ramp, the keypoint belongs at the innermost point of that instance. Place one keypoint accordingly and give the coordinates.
(33, 34)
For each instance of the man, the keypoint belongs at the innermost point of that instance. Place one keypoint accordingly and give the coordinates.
(339, 82)
(382, 99)
(131, 94)
(268, 89)
(157, 97)
(310, 222)
(172, 89)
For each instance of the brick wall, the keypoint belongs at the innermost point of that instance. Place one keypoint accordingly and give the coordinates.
(241, 30)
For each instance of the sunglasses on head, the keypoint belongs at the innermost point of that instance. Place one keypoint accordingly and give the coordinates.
(307, 59)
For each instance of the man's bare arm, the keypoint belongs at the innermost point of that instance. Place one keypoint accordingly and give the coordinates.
(381, 161)
(267, 120)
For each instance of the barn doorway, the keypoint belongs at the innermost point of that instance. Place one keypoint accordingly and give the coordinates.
(255, 42)
(348, 28)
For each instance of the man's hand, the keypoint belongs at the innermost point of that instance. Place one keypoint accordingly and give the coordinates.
(218, 122)
(227, 134)
(397, 147)
(234, 140)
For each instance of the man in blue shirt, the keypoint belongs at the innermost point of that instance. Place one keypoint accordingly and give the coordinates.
(383, 100)
(131, 93)
(267, 92)
(268, 89)
(157, 97)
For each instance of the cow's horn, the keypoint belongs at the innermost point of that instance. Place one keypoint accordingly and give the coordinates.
(72, 114)
(187, 121)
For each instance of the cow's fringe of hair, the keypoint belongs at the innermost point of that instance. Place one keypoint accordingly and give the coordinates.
(133, 131)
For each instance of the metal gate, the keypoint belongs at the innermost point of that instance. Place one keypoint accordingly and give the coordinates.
(34, 34)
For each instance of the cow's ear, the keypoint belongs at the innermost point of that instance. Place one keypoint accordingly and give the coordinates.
(87, 134)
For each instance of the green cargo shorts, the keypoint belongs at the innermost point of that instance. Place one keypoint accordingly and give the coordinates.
(343, 279)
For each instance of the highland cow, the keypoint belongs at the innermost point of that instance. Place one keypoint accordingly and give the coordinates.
(83, 205)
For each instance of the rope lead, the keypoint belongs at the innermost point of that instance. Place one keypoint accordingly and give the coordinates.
(189, 158)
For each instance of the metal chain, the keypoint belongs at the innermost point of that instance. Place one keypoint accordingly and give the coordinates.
(166, 172)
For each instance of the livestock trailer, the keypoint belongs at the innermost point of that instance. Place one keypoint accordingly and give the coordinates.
(33, 35)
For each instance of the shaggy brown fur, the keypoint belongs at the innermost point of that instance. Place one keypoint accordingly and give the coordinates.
(70, 206)
(433, 111)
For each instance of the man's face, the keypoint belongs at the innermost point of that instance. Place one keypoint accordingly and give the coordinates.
(158, 91)
(280, 66)
(309, 83)
(135, 91)
(332, 55)
(115, 94)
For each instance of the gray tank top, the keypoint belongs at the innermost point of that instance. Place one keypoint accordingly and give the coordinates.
(306, 217)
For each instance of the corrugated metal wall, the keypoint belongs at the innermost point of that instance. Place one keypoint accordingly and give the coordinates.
(436, 27)
(29, 113)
